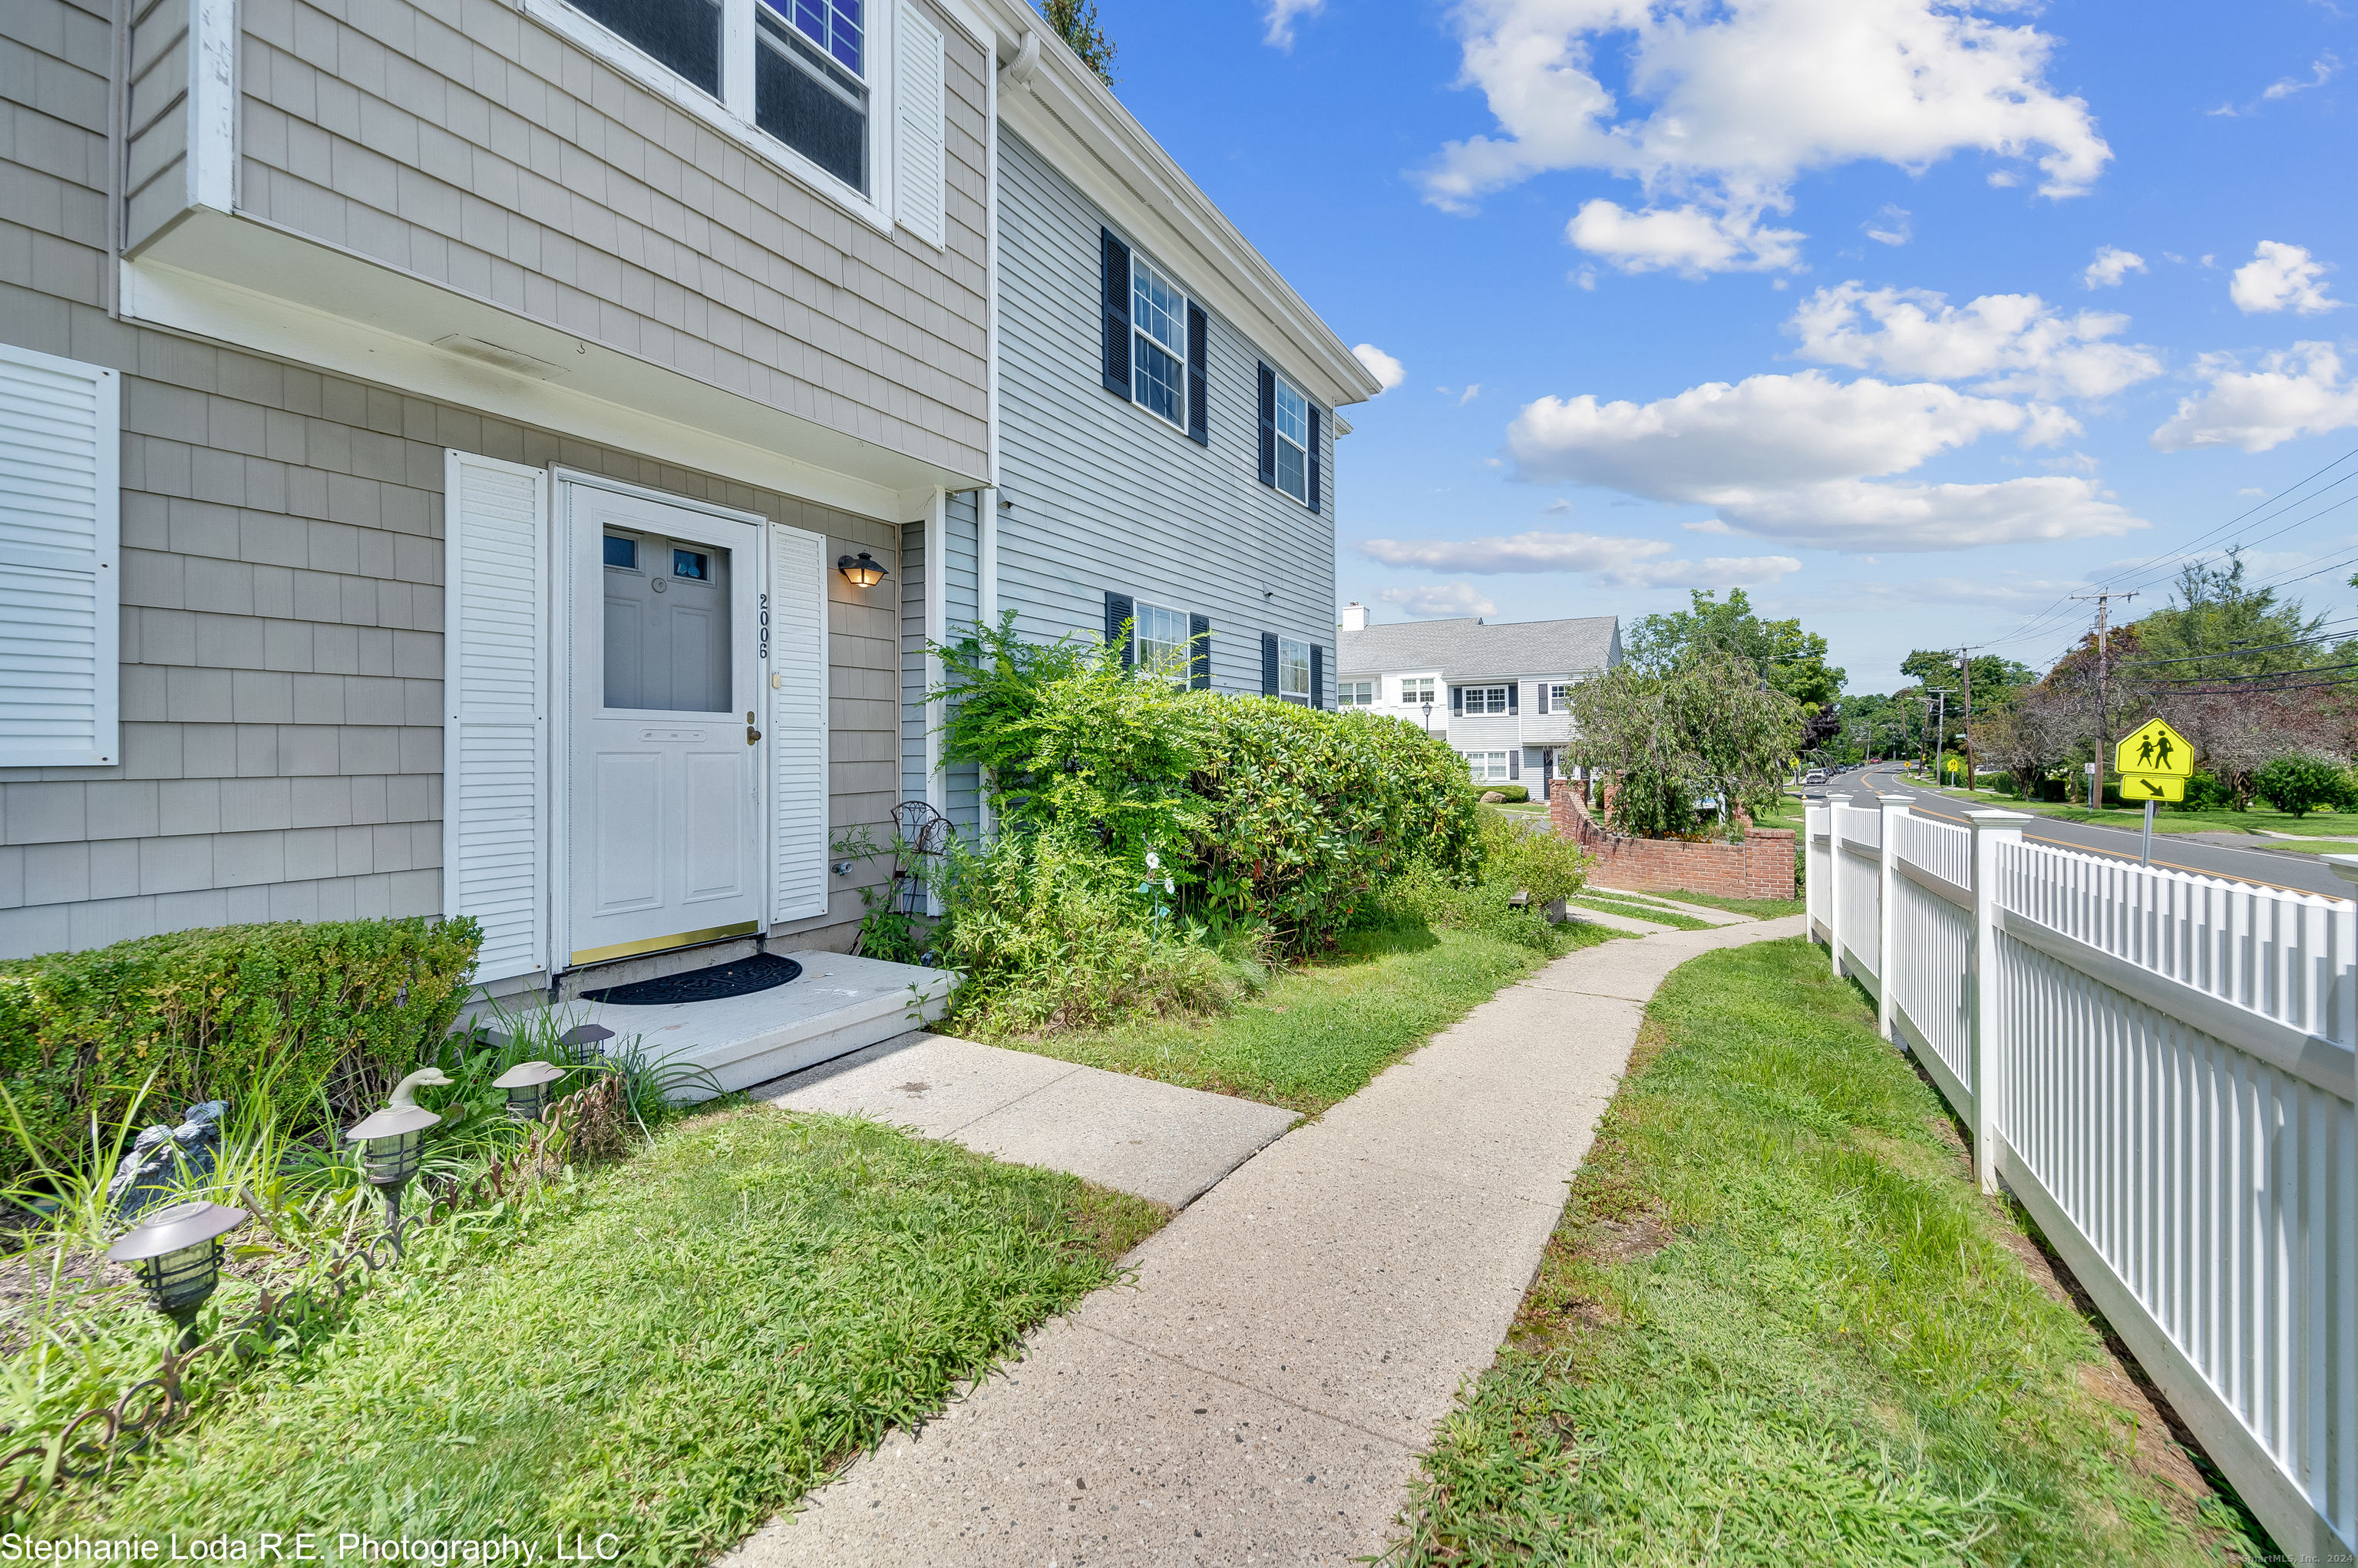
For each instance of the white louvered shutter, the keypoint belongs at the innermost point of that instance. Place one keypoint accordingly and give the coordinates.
(60, 642)
(918, 156)
(798, 727)
(495, 761)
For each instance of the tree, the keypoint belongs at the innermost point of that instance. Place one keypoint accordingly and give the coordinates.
(2301, 782)
(2027, 740)
(1709, 725)
(1794, 661)
(1996, 679)
(1076, 22)
(2217, 629)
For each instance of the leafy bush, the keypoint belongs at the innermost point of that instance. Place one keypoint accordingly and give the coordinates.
(2204, 792)
(1516, 857)
(1709, 726)
(292, 1012)
(2301, 782)
(1513, 794)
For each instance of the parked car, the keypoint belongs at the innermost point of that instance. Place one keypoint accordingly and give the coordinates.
(1814, 776)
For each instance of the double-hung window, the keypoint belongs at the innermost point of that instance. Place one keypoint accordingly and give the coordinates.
(1416, 692)
(1354, 693)
(1485, 699)
(1158, 364)
(810, 84)
(1487, 767)
(1292, 670)
(1292, 442)
(1159, 642)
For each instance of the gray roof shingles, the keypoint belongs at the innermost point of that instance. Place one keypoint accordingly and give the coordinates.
(1469, 650)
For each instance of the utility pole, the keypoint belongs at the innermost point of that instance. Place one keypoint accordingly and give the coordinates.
(2103, 598)
(1965, 663)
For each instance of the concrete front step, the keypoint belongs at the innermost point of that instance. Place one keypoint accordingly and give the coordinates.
(838, 1005)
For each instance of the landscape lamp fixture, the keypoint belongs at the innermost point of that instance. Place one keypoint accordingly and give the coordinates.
(526, 1084)
(861, 571)
(393, 1143)
(176, 1252)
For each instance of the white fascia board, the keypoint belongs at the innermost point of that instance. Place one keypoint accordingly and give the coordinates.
(1100, 147)
(318, 306)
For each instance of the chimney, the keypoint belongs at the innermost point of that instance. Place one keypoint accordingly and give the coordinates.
(1355, 617)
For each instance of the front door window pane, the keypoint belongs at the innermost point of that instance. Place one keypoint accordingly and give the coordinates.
(668, 636)
(682, 34)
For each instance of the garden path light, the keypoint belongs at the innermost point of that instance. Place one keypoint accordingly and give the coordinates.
(526, 1084)
(393, 1142)
(176, 1252)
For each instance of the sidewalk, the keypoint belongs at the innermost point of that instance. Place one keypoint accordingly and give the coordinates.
(1296, 1334)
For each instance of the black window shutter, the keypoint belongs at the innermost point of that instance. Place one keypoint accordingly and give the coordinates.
(1456, 699)
(1317, 674)
(1117, 615)
(1514, 762)
(1116, 299)
(1268, 426)
(1199, 369)
(1268, 657)
(1312, 458)
(1199, 652)
(1514, 697)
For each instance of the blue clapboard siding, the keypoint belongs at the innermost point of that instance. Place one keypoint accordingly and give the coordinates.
(1108, 497)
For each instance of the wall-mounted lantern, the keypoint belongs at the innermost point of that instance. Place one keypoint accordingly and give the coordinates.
(862, 570)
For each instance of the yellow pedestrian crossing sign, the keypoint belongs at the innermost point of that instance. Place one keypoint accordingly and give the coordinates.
(2136, 787)
(2154, 750)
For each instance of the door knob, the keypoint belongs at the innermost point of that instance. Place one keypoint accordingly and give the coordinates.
(753, 735)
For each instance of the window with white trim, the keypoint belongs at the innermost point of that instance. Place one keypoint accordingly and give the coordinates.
(1292, 442)
(1158, 360)
(803, 73)
(1292, 670)
(1551, 698)
(1158, 642)
(1354, 693)
(1417, 692)
(1487, 767)
(1485, 699)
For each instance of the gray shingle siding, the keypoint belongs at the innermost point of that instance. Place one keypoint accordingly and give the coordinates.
(461, 142)
(1105, 495)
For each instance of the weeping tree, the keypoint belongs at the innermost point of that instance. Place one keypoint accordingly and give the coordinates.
(1707, 725)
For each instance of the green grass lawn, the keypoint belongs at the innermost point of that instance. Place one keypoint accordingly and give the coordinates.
(1640, 909)
(1758, 908)
(2333, 824)
(1778, 1323)
(690, 1346)
(1322, 1030)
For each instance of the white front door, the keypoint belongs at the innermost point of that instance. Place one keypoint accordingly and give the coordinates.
(663, 809)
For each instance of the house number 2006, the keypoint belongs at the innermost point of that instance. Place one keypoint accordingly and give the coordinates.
(765, 625)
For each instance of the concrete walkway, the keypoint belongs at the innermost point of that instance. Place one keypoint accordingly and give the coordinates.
(1295, 1336)
(1158, 1140)
(1702, 911)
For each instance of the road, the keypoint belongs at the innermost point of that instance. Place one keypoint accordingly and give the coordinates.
(2274, 869)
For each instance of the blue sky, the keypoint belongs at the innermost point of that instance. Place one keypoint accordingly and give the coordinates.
(1910, 318)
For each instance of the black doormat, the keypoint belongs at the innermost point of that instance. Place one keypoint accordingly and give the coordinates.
(759, 973)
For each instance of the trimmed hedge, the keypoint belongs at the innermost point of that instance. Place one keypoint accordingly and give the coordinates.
(287, 1011)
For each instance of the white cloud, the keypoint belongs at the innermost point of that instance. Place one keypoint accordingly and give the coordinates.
(2016, 344)
(1889, 227)
(1586, 278)
(1381, 366)
(1282, 15)
(1557, 509)
(1708, 525)
(2298, 392)
(1788, 457)
(1442, 599)
(1469, 395)
(1615, 562)
(2112, 264)
(1692, 239)
(2280, 277)
(1728, 105)
(2320, 72)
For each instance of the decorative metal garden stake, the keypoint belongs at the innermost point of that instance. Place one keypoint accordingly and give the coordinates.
(526, 1084)
(176, 1252)
(392, 1143)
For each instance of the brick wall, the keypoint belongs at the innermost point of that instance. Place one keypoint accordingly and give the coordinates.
(1760, 866)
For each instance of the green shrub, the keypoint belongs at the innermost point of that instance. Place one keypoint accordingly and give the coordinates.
(2204, 792)
(292, 1011)
(1513, 794)
(1529, 859)
(2301, 782)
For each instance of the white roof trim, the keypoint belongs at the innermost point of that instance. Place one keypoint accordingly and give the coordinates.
(1070, 115)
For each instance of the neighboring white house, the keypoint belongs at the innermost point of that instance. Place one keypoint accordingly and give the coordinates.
(1495, 692)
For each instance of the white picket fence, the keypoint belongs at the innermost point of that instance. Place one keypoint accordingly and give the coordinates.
(2163, 1068)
